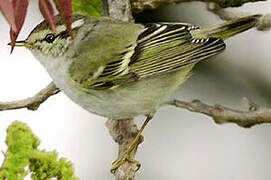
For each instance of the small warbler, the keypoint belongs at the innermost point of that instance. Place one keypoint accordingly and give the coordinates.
(120, 70)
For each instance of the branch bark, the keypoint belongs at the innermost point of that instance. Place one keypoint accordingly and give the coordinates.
(141, 5)
(122, 131)
(120, 9)
(263, 24)
(221, 114)
(31, 103)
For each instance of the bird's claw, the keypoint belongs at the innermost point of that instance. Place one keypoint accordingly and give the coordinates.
(121, 160)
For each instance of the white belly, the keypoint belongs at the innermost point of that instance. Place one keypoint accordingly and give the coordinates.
(126, 101)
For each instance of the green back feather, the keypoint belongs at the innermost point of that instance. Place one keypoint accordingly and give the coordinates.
(121, 53)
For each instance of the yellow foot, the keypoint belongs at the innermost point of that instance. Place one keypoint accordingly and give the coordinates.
(126, 157)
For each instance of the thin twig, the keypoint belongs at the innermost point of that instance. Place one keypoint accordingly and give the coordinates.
(224, 14)
(221, 114)
(141, 5)
(31, 103)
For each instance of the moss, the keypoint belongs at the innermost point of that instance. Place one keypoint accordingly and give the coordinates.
(23, 152)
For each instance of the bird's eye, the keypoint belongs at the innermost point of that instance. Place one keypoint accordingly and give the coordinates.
(49, 38)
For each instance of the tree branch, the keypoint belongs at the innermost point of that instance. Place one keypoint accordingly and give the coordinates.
(221, 114)
(122, 131)
(141, 5)
(120, 9)
(31, 103)
(263, 24)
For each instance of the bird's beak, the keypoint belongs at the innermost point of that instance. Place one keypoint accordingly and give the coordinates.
(21, 44)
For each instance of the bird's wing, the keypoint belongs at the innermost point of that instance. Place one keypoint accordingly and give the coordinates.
(167, 47)
(159, 48)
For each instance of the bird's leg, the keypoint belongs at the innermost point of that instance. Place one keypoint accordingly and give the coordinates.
(126, 156)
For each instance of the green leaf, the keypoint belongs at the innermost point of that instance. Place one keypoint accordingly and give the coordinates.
(23, 152)
(87, 7)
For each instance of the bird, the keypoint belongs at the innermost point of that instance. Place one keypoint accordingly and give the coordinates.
(121, 70)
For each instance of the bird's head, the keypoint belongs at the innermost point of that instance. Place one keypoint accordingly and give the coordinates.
(43, 41)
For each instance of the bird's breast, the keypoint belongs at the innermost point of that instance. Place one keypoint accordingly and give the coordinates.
(128, 100)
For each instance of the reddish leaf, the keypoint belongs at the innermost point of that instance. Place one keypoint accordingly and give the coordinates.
(13, 36)
(6, 7)
(65, 9)
(20, 8)
(47, 11)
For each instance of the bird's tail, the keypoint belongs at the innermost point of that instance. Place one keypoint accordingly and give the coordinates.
(232, 27)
